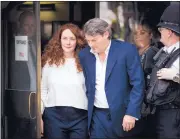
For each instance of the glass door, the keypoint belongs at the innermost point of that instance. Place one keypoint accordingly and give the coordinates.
(22, 70)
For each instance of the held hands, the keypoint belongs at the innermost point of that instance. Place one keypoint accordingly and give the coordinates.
(128, 122)
(166, 73)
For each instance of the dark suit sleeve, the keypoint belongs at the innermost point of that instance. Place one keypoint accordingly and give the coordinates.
(136, 79)
(83, 68)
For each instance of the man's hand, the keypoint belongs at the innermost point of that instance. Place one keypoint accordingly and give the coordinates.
(166, 73)
(128, 122)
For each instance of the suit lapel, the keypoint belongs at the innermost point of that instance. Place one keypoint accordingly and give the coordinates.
(112, 57)
(92, 67)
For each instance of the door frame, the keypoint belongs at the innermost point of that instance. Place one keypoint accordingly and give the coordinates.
(3, 75)
(0, 73)
(36, 8)
(3, 60)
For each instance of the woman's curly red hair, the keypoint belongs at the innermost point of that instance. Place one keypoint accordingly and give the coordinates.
(53, 53)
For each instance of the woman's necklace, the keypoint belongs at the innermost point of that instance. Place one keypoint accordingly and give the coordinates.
(142, 51)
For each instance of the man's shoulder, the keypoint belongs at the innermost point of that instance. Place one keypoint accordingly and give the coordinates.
(84, 51)
(123, 44)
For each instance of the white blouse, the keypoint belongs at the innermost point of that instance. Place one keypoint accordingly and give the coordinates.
(63, 86)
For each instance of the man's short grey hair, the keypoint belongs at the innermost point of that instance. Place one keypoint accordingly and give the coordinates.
(97, 26)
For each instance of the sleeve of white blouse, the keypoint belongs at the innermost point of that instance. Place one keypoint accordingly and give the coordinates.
(44, 87)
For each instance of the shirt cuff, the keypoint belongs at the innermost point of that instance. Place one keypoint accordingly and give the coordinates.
(136, 118)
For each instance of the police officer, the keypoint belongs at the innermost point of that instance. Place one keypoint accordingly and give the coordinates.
(168, 102)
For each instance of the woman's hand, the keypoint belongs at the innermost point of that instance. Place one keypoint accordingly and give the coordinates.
(42, 128)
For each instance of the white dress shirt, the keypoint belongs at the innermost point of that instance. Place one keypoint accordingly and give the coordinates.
(100, 100)
(175, 64)
(63, 86)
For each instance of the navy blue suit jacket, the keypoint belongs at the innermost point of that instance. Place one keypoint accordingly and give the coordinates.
(124, 82)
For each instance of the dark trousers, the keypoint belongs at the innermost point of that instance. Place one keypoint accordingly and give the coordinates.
(148, 127)
(101, 125)
(168, 123)
(65, 123)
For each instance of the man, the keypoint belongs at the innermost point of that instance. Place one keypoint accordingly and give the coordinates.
(114, 82)
(22, 81)
(164, 91)
(27, 24)
(23, 73)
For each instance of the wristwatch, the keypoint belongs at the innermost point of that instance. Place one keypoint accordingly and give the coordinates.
(176, 78)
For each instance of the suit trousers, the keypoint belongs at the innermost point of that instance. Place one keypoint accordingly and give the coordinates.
(168, 123)
(101, 125)
(61, 122)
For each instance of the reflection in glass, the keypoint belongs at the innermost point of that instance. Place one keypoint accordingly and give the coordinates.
(22, 74)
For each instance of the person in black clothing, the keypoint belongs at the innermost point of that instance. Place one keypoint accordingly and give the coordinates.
(147, 45)
(23, 73)
(144, 39)
(164, 92)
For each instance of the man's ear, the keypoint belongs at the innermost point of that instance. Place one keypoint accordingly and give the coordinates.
(106, 34)
(151, 35)
(170, 33)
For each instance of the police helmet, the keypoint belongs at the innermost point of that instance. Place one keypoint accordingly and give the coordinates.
(170, 18)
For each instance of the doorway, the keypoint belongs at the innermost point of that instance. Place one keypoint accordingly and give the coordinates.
(21, 71)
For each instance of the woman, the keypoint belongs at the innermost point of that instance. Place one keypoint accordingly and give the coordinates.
(147, 46)
(144, 36)
(63, 90)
